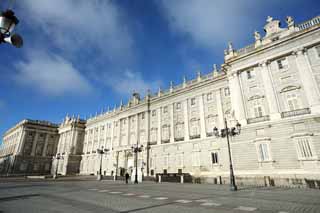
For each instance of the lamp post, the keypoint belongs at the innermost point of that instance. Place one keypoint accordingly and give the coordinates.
(148, 158)
(101, 152)
(58, 157)
(226, 132)
(8, 21)
(136, 149)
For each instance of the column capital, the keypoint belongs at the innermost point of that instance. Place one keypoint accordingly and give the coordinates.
(264, 63)
(300, 51)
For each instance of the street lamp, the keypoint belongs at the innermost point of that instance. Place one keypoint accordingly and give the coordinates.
(101, 152)
(58, 157)
(226, 132)
(136, 149)
(8, 21)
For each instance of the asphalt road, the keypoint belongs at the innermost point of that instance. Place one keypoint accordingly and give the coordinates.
(108, 196)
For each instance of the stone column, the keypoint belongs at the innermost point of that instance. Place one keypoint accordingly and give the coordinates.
(119, 133)
(202, 121)
(171, 124)
(93, 136)
(237, 98)
(159, 125)
(112, 135)
(137, 129)
(34, 144)
(270, 91)
(219, 109)
(307, 79)
(45, 145)
(186, 120)
(128, 130)
(148, 125)
(21, 142)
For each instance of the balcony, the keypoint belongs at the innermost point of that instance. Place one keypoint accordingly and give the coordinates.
(178, 139)
(296, 112)
(209, 134)
(194, 137)
(165, 141)
(258, 119)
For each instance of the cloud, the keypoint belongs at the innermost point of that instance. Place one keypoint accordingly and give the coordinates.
(50, 74)
(129, 81)
(81, 25)
(211, 22)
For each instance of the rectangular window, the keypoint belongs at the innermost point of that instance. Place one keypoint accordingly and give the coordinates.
(196, 159)
(154, 113)
(304, 148)
(282, 64)
(165, 109)
(264, 152)
(193, 101)
(214, 158)
(249, 75)
(318, 50)
(293, 102)
(142, 116)
(178, 106)
(209, 96)
(226, 91)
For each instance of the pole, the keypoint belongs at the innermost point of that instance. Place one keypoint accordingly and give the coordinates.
(117, 163)
(136, 175)
(148, 156)
(100, 169)
(233, 186)
(56, 173)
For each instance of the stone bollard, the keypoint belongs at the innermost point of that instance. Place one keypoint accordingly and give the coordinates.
(159, 179)
(181, 179)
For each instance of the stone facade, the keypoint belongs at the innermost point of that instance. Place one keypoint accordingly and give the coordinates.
(28, 148)
(271, 87)
(70, 146)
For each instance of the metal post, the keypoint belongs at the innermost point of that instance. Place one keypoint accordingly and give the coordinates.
(136, 175)
(56, 172)
(148, 156)
(117, 164)
(233, 186)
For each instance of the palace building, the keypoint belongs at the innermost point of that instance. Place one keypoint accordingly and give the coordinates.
(271, 87)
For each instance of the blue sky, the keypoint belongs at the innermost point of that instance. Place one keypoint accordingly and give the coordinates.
(82, 56)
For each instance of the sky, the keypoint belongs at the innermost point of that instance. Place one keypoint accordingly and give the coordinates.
(81, 57)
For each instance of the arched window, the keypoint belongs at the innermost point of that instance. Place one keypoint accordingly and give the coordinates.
(179, 131)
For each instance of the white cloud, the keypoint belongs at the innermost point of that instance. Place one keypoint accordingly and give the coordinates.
(51, 74)
(81, 25)
(130, 81)
(211, 22)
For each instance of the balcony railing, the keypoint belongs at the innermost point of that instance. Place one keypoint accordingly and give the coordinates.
(194, 137)
(295, 112)
(165, 141)
(179, 139)
(309, 23)
(258, 119)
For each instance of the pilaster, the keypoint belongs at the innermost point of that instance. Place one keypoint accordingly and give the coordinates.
(186, 120)
(219, 109)
(45, 145)
(159, 125)
(237, 98)
(202, 121)
(307, 79)
(270, 92)
(171, 123)
(34, 144)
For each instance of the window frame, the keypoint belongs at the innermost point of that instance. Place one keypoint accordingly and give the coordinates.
(312, 151)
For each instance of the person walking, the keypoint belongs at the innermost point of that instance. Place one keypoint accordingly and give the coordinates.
(127, 177)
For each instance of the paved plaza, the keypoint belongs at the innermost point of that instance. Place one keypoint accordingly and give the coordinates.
(109, 196)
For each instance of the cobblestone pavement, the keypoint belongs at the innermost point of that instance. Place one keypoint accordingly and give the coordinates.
(109, 196)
